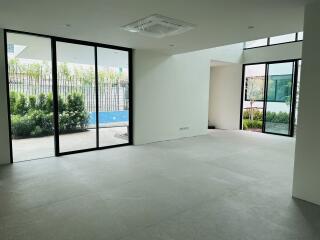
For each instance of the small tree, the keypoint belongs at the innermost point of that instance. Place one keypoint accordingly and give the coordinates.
(254, 92)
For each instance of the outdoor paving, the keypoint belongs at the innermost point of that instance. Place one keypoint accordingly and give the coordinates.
(34, 148)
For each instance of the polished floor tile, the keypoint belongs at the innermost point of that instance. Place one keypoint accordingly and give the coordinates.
(224, 185)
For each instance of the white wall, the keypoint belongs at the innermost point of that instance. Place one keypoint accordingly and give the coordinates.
(273, 53)
(171, 93)
(170, 96)
(306, 183)
(225, 95)
(4, 129)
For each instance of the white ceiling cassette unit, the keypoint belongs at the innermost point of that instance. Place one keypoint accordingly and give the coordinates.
(158, 26)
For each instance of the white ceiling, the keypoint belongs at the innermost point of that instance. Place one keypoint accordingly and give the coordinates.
(218, 22)
(39, 48)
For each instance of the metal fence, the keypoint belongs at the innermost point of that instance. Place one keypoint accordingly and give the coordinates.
(112, 96)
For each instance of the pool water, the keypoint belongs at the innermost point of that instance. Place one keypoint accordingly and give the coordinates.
(109, 117)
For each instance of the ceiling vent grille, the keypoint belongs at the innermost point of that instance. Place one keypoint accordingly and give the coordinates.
(158, 26)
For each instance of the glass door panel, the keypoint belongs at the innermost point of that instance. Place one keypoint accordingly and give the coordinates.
(76, 96)
(30, 91)
(279, 98)
(113, 96)
(253, 100)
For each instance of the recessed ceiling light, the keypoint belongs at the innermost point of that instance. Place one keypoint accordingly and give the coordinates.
(250, 27)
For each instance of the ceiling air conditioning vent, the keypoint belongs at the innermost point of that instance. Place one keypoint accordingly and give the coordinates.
(158, 26)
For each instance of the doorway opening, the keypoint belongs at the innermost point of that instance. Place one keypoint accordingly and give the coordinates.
(270, 93)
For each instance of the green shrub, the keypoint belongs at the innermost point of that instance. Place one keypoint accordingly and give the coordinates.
(21, 105)
(22, 126)
(281, 117)
(49, 103)
(43, 120)
(32, 102)
(248, 124)
(75, 117)
(13, 102)
(34, 117)
(245, 124)
(75, 102)
(61, 104)
(42, 101)
(257, 114)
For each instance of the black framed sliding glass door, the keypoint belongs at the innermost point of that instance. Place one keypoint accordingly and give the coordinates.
(113, 96)
(269, 97)
(76, 93)
(29, 80)
(93, 96)
(278, 102)
(66, 96)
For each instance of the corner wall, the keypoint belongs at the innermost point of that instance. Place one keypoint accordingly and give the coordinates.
(4, 129)
(170, 96)
(306, 182)
(225, 95)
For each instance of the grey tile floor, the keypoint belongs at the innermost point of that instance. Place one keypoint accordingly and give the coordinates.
(225, 185)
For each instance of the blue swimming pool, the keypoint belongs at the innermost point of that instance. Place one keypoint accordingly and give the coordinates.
(109, 117)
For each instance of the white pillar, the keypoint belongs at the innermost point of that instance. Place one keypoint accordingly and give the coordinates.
(306, 182)
(4, 124)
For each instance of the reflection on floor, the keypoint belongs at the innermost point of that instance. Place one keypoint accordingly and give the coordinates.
(225, 185)
(33, 148)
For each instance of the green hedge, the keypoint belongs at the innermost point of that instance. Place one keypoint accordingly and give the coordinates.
(32, 116)
(280, 117)
(248, 124)
(257, 115)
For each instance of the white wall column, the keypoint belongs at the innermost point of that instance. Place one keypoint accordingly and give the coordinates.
(306, 182)
(4, 124)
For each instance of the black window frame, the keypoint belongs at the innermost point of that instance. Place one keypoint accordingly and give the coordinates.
(275, 44)
(294, 92)
(54, 40)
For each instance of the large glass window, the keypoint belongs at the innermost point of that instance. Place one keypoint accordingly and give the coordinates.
(31, 99)
(76, 96)
(287, 38)
(283, 39)
(66, 96)
(113, 96)
(278, 114)
(256, 43)
(268, 97)
(254, 81)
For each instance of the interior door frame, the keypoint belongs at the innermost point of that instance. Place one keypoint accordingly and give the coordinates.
(293, 94)
(54, 40)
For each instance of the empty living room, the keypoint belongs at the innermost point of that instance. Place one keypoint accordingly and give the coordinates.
(159, 120)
